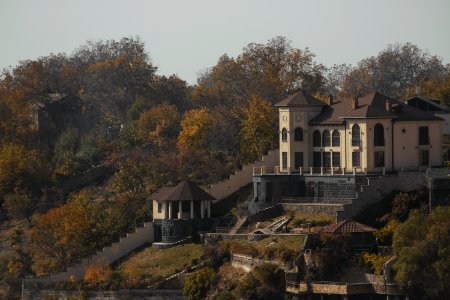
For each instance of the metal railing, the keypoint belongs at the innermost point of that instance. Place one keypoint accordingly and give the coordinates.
(327, 200)
(438, 172)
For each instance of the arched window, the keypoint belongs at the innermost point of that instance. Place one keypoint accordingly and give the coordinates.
(284, 135)
(326, 138)
(298, 134)
(336, 139)
(356, 135)
(378, 138)
(316, 138)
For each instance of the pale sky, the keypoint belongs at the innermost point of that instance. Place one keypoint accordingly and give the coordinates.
(184, 37)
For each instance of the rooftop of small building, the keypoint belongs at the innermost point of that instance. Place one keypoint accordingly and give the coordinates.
(184, 191)
(349, 226)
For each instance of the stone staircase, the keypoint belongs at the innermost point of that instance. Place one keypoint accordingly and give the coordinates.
(242, 177)
(142, 235)
(240, 222)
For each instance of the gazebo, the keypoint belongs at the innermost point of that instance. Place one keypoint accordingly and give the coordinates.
(177, 209)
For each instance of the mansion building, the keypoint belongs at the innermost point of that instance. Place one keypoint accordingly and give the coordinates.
(370, 134)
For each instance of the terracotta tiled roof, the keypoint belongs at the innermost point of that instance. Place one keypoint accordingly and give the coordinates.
(300, 99)
(348, 226)
(185, 191)
(372, 105)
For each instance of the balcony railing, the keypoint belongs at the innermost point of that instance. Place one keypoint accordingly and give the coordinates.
(327, 200)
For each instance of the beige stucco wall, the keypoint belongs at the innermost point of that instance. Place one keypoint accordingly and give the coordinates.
(291, 118)
(405, 149)
(162, 214)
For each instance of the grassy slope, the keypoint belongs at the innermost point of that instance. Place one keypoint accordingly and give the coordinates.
(152, 262)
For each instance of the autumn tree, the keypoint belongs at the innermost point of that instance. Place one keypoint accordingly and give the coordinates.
(60, 236)
(258, 133)
(204, 145)
(22, 174)
(422, 246)
(159, 124)
(271, 71)
(393, 71)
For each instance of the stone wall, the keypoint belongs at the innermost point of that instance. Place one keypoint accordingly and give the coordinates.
(257, 214)
(111, 295)
(247, 263)
(379, 187)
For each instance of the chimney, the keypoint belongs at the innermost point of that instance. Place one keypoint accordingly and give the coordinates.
(330, 100)
(388, 104)
(355, 103)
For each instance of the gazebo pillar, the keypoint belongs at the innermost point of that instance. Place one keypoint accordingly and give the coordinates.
(170, 209)
(209, 209)
(180, 210)
(202, 210)
(192, 209)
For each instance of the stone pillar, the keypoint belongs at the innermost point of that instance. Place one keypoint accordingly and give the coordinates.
(170, 209)
(180, 210)
(344, 297)
(209, 209)
(192, 209)
(202, 210)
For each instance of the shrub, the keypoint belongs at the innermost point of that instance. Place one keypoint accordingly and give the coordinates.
(198, 283)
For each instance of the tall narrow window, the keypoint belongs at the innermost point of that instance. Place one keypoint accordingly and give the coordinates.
(356, 159)
(298, 134)
(378, 135)
(316, 138)
(356, 135)
(379, 158)
(424, 158)
(326, 138)
(326, 159)
(284, 160)
(423, 136)
(317, 159)
(336, 157)
(336, 139)
(298, 160)
(284, 135)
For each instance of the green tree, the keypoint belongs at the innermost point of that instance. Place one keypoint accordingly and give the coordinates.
(197, 284)
(422, 245)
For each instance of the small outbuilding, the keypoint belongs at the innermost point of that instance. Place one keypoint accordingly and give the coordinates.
(361, 234)
(180, 210)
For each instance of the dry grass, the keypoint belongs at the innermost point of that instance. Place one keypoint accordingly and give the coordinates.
(313, 219)
(281, 248)
(160, 263)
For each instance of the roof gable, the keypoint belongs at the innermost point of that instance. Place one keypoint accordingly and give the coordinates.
(300, 99)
